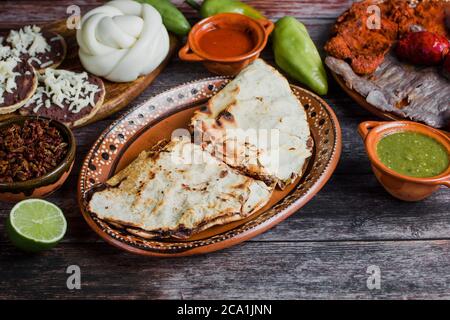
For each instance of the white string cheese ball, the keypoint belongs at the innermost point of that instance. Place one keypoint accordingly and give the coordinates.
(122, 40)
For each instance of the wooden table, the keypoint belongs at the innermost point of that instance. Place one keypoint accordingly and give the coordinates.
(323, 251)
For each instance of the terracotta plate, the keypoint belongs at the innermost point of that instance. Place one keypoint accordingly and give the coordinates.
(154, 120)
(359, 99)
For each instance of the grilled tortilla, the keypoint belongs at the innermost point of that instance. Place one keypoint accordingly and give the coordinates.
(177, 190)
(257, 125)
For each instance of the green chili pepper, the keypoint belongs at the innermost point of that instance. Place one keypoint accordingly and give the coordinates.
(173, 19)
(297, 55)
(213, 7)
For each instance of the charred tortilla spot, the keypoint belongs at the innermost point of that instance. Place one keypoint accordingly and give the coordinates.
(310, 142)
(205, 109)
(223, 174)
(185, 187)
(240, 186)
(226, 115)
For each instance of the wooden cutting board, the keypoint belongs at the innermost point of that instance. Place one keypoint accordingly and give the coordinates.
(118, 95)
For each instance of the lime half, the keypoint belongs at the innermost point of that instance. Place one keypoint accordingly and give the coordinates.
(35, 225)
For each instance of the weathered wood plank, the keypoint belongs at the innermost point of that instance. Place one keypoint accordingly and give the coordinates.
(51, 10)
(282, 270)
(336, 213)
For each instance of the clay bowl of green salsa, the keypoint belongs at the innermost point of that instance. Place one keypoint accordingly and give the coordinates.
(409, 159)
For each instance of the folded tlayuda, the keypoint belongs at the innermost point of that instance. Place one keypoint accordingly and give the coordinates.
(176, 190)
(256, 125)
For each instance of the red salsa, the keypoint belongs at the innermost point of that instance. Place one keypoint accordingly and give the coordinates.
(226, 42)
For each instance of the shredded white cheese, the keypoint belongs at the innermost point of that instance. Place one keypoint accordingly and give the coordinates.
(47, 64)
(30, 60)
(5, 51)
(59, 87)
(7, 76)
(28, 40)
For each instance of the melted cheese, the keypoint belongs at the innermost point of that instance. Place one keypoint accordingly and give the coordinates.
(62, 87)
(7, 76)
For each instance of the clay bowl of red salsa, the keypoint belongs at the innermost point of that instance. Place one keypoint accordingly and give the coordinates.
(409, 159)
(31, 174)
(227, 42)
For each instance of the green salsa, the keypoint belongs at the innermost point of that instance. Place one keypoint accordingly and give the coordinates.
(413, 154)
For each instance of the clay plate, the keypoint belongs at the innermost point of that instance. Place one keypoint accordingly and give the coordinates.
(146, 124)
(359, 99)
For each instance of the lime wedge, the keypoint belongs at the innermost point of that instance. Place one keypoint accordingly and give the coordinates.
(35, 225)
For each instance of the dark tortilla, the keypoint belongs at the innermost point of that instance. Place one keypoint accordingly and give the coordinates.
(64, 115)
(56, 54)
(25, 85)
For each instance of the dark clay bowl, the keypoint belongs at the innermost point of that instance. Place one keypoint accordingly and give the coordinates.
(45, 185)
